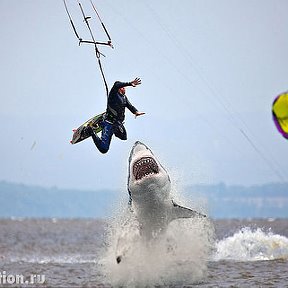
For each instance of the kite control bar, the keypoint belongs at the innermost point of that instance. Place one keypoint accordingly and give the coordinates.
(93, 41)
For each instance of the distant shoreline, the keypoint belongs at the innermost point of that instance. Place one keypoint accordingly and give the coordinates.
(220, 201)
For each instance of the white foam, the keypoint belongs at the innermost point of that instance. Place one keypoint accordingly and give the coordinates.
(252, 245)
(177, 256)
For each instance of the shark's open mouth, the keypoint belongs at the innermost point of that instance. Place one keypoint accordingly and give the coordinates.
(144, 167)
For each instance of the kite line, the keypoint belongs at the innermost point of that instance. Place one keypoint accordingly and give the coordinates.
(93, 40)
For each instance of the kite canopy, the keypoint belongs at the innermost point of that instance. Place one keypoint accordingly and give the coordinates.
(280, 113)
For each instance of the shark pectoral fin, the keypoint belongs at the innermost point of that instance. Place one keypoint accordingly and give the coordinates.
(183, 212)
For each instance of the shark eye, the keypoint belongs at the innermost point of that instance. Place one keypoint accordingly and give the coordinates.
(145, 167)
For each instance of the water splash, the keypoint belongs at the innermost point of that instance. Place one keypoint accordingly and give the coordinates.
(179, 255)
(252, 245)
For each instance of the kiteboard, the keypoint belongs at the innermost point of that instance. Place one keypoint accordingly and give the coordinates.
(81, 134)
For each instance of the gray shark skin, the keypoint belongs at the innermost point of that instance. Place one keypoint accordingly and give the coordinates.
(149, 187)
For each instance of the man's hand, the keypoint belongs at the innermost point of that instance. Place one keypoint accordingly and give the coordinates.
(139, 113)
(135, 82)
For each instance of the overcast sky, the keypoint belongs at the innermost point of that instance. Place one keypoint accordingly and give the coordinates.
(210, 71)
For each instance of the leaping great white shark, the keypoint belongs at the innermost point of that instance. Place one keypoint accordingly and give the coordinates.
(149, 187)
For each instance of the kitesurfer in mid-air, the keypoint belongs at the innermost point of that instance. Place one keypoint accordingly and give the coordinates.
(115, 115)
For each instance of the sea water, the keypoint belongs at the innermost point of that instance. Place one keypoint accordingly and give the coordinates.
(79, 253)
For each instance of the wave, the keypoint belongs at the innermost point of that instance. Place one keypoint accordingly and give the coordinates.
(62, 259)
(252, 245)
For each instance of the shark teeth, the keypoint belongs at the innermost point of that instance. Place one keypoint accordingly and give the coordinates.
(144, 167)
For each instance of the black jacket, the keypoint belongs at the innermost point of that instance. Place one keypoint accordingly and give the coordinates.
(117, 103)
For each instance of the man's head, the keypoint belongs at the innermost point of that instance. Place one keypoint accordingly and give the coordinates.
(122, 90)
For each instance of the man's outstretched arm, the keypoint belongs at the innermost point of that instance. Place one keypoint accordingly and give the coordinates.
(117, 85)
